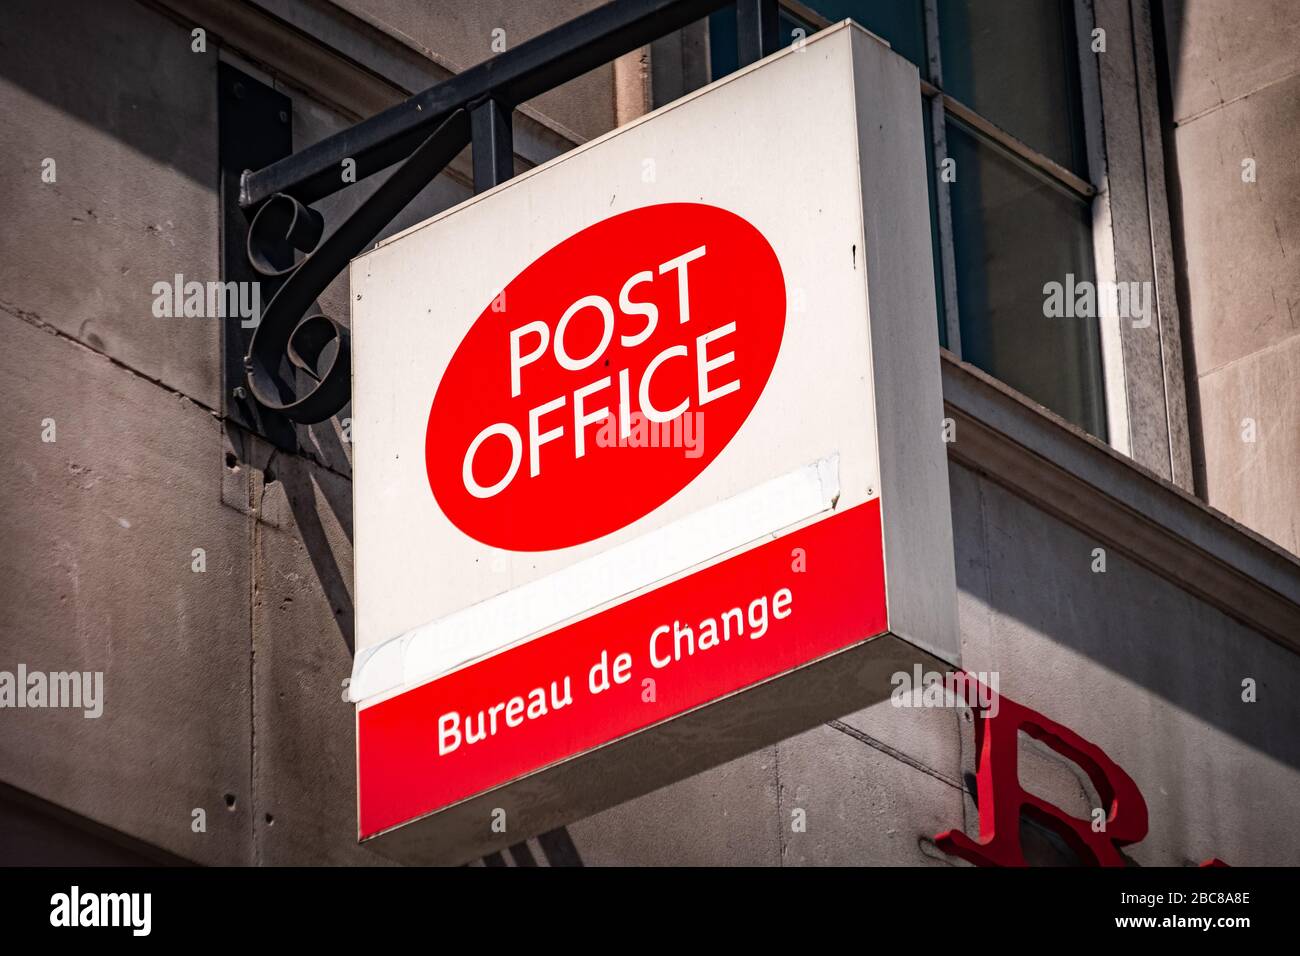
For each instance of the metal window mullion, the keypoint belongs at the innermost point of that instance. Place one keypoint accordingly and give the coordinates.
(933, 101)
(947, 263)
(1041, 163)
(1109, 334)
(758, 28)
(934, 61)
(933, 84)
(1094, 138)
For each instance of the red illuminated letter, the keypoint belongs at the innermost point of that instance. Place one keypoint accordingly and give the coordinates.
(1002, 799)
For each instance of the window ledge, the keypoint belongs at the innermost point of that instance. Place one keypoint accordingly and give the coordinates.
(1071, 475)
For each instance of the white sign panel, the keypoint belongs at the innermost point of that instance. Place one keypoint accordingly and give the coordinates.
(642, 436)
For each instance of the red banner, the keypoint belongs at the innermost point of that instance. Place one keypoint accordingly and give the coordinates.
(751, 617)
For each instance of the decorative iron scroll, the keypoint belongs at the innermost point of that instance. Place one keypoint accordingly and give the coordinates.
(295, 345)
(293, 336)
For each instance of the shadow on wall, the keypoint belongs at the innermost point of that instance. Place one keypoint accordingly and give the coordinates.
(150, 89)
(35, 832)
(298, 483)
(1035, 576)
(304, 485)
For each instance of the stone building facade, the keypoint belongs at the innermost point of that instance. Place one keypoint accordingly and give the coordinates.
(1126, 551)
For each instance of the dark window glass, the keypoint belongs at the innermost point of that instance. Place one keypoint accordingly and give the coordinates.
(1015, 63)
(1013, 233)
(934, 223)
(901, 22)
(722, 38)
(1015, 230)
(898, 21)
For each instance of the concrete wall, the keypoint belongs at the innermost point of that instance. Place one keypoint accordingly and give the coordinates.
(463, 34)
(1124, 658)
(101, 523)
(223, 688)
(1234, 96)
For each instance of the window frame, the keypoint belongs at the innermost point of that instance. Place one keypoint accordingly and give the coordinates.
(1142, 379)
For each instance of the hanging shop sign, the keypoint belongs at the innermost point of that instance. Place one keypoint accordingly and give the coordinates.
(649, 467)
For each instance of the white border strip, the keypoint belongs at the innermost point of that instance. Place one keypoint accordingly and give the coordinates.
(491, 626)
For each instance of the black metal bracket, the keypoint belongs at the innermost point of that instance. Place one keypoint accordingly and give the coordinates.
(493, 138)
(254, 129)
(295, 366)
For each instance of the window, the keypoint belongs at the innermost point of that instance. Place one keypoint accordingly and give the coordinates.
(1010, 198)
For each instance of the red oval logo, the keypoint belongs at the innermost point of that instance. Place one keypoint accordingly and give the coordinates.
(605, 377)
